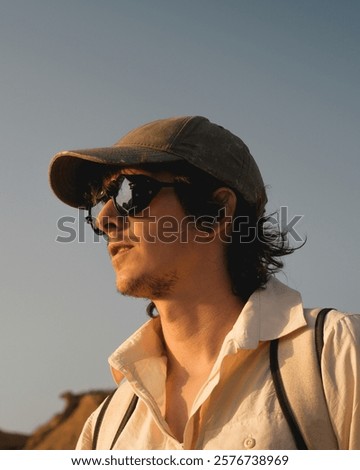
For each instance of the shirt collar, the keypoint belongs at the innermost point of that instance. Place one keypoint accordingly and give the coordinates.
(271, 312)
(143, 345)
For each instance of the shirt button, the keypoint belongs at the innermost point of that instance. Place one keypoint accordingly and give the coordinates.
(249, 443)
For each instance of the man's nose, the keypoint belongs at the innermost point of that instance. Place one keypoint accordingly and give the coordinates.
(110, 221)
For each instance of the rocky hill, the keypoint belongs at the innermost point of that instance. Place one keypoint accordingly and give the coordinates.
(63, 430)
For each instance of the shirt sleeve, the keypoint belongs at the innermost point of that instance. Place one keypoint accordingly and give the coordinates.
(341, 377)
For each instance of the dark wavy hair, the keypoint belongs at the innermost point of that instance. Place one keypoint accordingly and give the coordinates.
(256, 244)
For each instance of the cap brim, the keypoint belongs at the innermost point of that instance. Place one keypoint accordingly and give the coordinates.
(71, 171)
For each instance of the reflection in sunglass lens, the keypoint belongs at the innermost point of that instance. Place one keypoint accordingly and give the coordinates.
(124, 196)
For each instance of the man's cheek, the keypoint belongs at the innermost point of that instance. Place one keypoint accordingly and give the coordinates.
(143, 232)
(167, 229)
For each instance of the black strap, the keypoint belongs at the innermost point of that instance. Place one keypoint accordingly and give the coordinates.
(282, 397)
(101, 415)
(125, 419)
(319, 333)
(100, 419)
(278, 382)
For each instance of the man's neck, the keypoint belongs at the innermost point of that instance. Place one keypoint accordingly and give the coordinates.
(195, 326)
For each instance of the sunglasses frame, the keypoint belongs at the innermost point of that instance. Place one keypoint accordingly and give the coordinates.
(140, 200)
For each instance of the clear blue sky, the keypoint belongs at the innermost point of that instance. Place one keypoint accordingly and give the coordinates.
(282, 74)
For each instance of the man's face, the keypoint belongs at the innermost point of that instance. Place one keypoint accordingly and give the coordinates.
(155, 253)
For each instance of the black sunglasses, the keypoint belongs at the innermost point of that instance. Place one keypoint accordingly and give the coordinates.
(130, 195)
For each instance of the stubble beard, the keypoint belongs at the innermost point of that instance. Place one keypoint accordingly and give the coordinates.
(149, 286)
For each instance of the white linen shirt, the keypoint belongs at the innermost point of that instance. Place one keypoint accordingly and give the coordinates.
(237, 407)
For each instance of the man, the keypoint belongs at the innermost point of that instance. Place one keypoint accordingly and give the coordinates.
(181, 202)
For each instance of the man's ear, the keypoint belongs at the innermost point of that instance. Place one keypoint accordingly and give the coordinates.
(219, 219)
(226, 200)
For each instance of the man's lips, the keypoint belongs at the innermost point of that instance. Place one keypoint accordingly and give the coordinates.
(117, 248)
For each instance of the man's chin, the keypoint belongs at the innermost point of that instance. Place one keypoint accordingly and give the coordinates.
(139, 287)
(147, 287)
(128, 289)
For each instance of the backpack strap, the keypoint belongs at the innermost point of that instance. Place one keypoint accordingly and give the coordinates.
(125, 419)
(122, 424)
(282, 397)
(100, 419)
(319, 333)
(295, 361)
